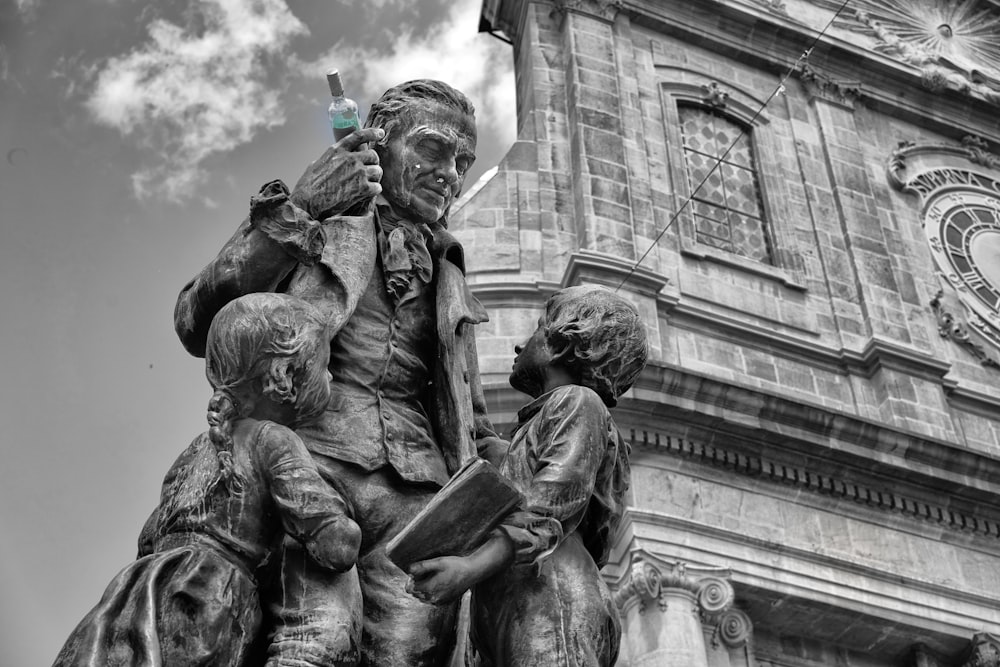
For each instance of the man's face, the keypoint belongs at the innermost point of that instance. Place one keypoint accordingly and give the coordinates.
(425, 161)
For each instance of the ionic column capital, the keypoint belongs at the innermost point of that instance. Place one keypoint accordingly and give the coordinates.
(648, 577)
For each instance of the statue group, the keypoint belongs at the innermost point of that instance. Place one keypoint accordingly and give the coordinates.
(337, 330)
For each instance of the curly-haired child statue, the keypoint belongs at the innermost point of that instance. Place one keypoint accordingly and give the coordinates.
(538, 596)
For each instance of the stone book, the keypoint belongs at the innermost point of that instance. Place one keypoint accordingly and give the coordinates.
(459, 517)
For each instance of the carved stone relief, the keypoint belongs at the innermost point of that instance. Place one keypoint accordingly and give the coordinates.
(694, 606)
(734, 628)
(954, 43)
(984, 651)
(962, 331)
(845, 93)
(648, 577)
(712, 95)
(960, 201)
(606, 9)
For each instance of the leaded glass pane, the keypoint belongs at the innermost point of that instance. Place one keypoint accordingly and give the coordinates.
(726, 198)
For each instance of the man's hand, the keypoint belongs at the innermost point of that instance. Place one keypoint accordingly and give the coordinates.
(347, 173)
(440, 580)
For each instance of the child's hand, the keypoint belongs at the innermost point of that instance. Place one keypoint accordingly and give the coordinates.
(336, 546)
(440, 580)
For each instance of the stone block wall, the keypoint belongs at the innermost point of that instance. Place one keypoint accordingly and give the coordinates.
(598, 167)
(808, 424)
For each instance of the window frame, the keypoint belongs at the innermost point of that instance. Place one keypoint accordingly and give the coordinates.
(726, 208)
(741, 109)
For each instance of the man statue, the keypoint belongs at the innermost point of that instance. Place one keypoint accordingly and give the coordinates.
(406, 406)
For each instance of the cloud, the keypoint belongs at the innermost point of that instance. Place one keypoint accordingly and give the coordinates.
(193, 91)
(205, 86)
(28, 8)
(478, 65)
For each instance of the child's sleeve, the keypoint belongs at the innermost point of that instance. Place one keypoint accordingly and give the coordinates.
(571, 445)
(311, 511)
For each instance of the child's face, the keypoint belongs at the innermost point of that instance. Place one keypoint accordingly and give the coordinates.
(532, 363)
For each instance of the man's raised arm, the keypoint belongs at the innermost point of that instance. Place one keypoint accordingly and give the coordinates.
(281, 233)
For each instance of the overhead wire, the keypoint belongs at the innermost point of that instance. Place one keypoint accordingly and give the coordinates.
(779, 89)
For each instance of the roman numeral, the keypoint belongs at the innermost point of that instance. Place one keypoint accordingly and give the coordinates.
(973, 280)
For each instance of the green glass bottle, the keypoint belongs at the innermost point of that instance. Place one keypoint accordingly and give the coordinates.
(343, 111)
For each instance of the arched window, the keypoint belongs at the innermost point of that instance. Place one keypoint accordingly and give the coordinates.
(728, 211)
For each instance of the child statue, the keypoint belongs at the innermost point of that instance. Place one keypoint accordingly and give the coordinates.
(538, 597)
(191, 598)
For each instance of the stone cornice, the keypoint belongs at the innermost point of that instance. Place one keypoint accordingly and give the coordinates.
(519, 294)
(876, 354)
(672, 394)
(666, 394)
(839, 485)
(588, 266)
(609, 271)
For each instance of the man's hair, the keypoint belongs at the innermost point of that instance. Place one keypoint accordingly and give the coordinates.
(385, 113)
(605, 338)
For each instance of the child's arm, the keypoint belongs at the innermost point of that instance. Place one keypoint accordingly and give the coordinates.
(569, 451)
(264, 252)
(311, 511)
(439, 580)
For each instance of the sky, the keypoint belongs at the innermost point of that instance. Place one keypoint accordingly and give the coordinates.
(132, 135)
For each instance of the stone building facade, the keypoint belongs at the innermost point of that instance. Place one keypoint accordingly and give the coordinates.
(816, 440)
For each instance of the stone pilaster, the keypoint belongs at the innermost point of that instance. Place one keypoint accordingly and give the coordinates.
(678, 615)
(869, 268)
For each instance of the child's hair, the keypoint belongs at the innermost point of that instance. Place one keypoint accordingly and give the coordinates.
(244, 339)
(605, 337)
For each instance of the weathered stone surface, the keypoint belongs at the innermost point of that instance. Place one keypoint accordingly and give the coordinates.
(839, 323)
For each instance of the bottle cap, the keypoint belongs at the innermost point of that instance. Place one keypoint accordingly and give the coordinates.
(336, 86)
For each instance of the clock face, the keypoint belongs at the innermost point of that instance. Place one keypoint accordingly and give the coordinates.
(963, 229)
